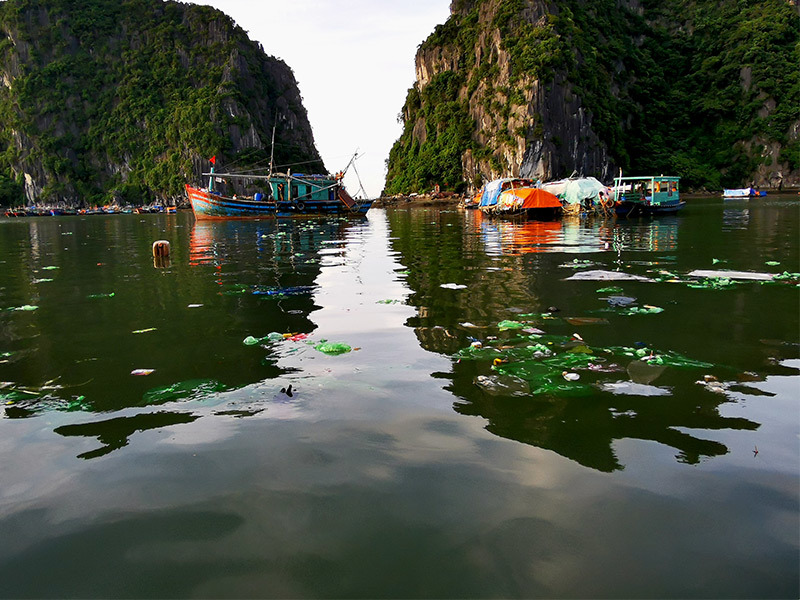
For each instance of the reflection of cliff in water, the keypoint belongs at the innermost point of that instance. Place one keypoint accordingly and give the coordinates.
(438, 249)
(507, 266)
(585, 428)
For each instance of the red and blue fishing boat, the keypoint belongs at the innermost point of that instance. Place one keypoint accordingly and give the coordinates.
(279, 195)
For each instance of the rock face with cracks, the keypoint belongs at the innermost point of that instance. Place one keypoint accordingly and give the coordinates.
(705, 90)
(117, 100)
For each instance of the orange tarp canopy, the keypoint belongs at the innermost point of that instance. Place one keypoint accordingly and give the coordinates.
(524, 198)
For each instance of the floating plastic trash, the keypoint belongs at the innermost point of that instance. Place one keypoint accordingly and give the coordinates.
(772, 263)
(144, 330)
(644, 373)
(609, 290)
(236, 289)
(543, 379)
(273, 336)
(194, 306)
(297, 337)
(142, 371)
(25, 308)
(586, 321)
(332, 349)
(643, 310)
(108, 295)
(45, 280)
(620, 300)
(570, 376)
(533, 331)
(506, 325)
(606, 276)
(452, 286)
(786, 276)
(76, 403)
(715, 283)
(744, 275)
(50, 268)
(503, 385)
(287, 291)
(666, 358)
(478, 353)
(712, 384)
(567, 360)
(576, 264)
(630, 388)
(191, 389)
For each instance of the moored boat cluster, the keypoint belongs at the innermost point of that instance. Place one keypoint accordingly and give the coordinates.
(627, 196)
(56, 211)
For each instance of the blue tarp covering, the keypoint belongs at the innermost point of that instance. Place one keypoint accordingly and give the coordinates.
(491, 192)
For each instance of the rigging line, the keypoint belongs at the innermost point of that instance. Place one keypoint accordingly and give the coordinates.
(249, 169)
(360, 184)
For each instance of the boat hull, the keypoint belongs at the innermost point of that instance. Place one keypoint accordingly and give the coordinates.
(210, 206)
(534, 214)
(632, 209)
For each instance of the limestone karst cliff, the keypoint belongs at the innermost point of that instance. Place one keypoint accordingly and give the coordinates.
(703, 89)
(127, 99)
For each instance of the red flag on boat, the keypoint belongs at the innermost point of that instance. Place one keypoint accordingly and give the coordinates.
(213, 160)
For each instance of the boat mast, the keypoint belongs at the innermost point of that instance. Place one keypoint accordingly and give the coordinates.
(272, 144)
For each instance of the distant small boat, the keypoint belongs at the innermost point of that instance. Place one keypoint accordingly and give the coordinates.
(649, 195)
(741, 193)
(517, 196)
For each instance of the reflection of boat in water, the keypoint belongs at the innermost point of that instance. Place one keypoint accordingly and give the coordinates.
(214, 242)
(518, 197)
(657, 235)
(280, 195)
(513, 238)
(649, 195)
(574, 235)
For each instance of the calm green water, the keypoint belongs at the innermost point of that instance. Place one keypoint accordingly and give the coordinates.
(417, 464)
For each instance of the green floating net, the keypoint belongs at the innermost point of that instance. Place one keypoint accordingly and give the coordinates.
(184, 390)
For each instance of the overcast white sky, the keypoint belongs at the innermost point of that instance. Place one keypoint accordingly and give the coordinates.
(354, 63)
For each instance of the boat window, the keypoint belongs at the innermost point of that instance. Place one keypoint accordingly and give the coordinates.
(294, 191)
(308, 191)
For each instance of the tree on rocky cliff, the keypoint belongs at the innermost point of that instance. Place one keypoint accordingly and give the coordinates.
(126, 99)
(703, 89)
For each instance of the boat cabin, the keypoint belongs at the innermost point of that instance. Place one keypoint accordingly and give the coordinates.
(651, 190)
(301, 188)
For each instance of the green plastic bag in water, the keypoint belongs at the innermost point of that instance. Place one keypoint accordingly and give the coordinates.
(332, 348)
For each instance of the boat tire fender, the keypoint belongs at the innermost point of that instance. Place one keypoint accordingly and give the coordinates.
(300, 205)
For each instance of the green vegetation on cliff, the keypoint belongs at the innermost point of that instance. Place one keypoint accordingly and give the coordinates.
(126, 99)
(705, 89)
